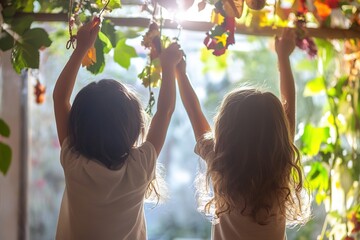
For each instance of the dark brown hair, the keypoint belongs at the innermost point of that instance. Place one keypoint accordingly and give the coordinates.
(106, 120)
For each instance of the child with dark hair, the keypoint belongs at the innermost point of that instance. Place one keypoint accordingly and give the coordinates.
(108, 169)
(252, 162)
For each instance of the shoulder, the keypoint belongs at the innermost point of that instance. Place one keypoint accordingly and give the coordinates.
(144, 156)
(145, 151)
(69, 157)
(205, 146)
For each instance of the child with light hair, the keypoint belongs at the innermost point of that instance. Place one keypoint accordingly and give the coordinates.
(252, 163)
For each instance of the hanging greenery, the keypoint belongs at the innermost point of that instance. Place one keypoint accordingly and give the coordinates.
(331, 146)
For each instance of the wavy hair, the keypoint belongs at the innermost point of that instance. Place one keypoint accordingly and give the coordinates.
(256, 167)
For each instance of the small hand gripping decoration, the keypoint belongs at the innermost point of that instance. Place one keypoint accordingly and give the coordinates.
(90, 57)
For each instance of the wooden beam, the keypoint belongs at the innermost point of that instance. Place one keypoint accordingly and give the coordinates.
(322, 32)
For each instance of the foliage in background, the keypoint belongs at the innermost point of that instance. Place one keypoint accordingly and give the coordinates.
(331, 144)
(5, 150)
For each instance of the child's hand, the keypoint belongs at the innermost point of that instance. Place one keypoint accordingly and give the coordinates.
(285, 44)
(181, 66)
(87, 34)
(171, 56)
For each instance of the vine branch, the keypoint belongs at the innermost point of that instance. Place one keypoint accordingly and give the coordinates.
(322, 32)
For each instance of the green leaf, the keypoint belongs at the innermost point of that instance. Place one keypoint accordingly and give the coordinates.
(306, 65)
(5, 158)
(4, 129)
(24, 5)
(123, 53)
(107, 27)
(107, 44)
(21, 24)
(341, 82)
(312, 139)
(99, 65)
(9, 11)
(318, 179)
(37, 37)
(6, 41)
(326, 52)
(128, 34)
(314, 87)
(24, 56)
(112, 4)
(213, 63)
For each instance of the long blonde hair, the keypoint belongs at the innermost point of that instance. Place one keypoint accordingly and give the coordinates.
(256, 165)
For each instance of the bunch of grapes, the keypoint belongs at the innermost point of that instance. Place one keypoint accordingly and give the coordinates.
(302, 40)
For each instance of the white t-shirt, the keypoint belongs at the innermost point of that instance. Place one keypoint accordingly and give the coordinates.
(236, 226)
(104, 204)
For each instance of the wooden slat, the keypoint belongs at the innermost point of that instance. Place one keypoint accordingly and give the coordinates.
(323, 32)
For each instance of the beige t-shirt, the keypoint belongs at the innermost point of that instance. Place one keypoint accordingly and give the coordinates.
(103, 204)
(236, 226)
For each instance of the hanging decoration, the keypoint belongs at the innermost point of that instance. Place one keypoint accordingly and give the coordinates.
(39, 88)
(303, 41)
(73, 17)
(155, 41)
(39, 92)
(222, 34)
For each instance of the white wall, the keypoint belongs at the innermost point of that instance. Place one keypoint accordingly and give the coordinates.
(10, 95)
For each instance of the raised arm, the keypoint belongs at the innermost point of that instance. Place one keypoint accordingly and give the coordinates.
(167, 95)
(191, 102)
(64, 86)
(284, 47)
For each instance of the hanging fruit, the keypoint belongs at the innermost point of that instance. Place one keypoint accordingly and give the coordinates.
(39, 92)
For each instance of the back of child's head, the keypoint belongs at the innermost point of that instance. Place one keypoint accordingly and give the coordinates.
(255, 157)
(106, 120)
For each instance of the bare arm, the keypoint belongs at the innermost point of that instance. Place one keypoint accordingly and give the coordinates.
(65, 82)
(284, 47)
(191, 102)
(167, 95)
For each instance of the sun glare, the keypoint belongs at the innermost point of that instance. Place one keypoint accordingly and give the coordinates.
(193, 14)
